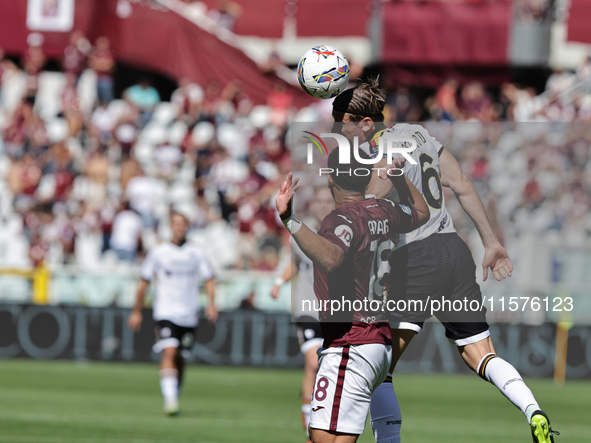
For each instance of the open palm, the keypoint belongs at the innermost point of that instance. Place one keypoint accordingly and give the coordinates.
(286, 192)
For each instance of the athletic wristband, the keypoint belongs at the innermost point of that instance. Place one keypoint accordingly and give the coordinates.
(278, 281)
(293, 224)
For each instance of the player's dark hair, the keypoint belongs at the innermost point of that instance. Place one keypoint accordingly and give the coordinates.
(366, 99)
(344, 175)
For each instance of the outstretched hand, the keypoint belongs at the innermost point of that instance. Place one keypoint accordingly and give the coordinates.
(497, 259)
(286, 192)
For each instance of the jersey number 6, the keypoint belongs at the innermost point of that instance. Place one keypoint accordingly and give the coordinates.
(427, 174)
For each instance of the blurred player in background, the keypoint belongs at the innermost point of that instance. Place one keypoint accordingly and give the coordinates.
(434, 262)
(177, 266)
(309, 332)
(355, 356)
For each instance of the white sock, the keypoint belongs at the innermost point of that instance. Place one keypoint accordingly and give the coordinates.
(507, 380)
(385, 415)
(306, 409)
(169, 385)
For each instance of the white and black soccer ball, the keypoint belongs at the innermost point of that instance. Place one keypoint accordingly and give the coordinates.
(323, 72)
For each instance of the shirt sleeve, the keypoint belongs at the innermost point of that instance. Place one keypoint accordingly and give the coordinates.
(438, 147)
(341, 230)
(148, 266)
(405, 218)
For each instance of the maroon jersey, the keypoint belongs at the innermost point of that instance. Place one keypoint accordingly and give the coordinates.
(365, 231)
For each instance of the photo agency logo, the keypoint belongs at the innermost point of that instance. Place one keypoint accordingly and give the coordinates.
(389, 147)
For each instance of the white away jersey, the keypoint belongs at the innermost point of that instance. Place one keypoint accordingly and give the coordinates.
(425, 175)
(304, 286)
(177, 271)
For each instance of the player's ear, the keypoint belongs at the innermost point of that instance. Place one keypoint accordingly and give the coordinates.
(330, 181)
(367, 125)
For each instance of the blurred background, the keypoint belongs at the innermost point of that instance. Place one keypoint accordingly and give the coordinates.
(114, 113)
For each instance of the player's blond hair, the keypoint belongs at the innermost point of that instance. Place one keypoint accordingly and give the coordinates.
(366, 99)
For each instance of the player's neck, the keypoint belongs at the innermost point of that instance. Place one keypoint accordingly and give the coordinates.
(343, 197)
(179, 241)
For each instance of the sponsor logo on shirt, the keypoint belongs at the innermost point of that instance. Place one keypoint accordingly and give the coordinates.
(345, 233)
(406, 209)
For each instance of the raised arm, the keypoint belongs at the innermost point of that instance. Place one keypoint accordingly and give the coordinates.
(495, 256)
(326, 255)
(410, 195)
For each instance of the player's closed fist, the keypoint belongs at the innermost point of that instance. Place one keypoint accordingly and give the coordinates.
(275, 291)
(135, 321)
(497, 259)
(211, 313)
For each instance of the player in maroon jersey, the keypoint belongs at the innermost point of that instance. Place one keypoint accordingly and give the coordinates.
(350, 263)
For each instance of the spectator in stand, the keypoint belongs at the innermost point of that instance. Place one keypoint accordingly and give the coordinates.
(188, 97)
(211, 102)
(71, 107)
(225, 175)
(403, 106)
(38, 249)
(5, 66)
(60, 166)
(75, 55)
(144, 192)
(168, 157)
(23, 179)
(126, 235)
(475, 102)
(102, 123)
(103, 64)
(446, 99)
(144, 97)
(280, 101)
(33, 63)
(226, 14)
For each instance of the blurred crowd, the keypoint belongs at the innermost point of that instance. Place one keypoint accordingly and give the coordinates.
(534, 178)
(94, 182)
(567, 97)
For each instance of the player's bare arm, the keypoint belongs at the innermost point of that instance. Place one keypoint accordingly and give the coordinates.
(135, 318)
(211, 311)
(411, 196)
(283, 278)
(382, 188)
(326, 255)
(495, 256)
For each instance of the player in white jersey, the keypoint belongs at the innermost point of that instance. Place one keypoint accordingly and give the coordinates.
(177, 267)
(309, 332)
(433, 262)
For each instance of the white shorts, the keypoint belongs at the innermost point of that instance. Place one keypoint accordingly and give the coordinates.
(346, 379)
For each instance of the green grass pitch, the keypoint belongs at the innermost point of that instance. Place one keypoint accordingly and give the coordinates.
(51, 402)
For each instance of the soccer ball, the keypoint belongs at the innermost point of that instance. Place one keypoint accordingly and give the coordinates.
(323, 72)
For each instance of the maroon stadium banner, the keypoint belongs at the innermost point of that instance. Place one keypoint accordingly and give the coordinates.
(578, 21)
(334, 18)
(256, 338)
(439, 33)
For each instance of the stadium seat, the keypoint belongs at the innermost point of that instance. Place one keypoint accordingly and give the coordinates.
(165, 112)
(177, 132)
(203, 133)
(57, 130)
